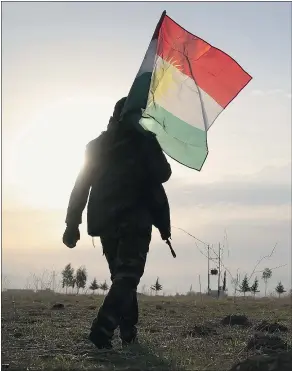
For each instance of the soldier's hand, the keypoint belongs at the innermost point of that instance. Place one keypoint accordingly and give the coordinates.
(71, 236)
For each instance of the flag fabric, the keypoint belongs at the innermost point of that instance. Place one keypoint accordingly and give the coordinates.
(182, 86)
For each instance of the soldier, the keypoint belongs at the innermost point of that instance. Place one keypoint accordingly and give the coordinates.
(124, 170)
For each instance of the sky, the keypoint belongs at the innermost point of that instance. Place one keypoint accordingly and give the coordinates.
(64, 65)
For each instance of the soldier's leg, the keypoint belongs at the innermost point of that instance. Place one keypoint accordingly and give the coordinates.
(99, 335)
(129, 320)
(132, 250)
(110, 249)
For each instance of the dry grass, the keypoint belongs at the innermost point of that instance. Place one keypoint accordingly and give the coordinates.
(35, 337)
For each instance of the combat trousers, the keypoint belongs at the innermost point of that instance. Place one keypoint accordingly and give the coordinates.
(126, 252)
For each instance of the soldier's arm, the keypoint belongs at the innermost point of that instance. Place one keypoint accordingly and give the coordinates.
(80, 192)
(157, 165)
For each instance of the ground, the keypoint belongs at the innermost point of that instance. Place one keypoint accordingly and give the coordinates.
(176, 333)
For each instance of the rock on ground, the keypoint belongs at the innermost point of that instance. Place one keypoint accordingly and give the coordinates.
(235, 319)
(58, 306)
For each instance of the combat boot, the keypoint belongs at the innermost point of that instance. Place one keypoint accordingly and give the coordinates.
(100, 340)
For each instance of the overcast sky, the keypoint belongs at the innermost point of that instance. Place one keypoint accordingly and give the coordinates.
(64, 65)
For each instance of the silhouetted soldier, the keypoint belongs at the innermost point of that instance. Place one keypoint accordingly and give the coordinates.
(124, 168)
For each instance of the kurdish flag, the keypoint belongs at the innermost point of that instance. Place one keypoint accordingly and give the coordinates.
(182, 86)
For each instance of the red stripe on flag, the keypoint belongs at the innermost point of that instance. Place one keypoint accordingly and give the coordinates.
(214, 71)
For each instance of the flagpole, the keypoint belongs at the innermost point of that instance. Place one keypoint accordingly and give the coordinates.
(125, 108)
(155, 34)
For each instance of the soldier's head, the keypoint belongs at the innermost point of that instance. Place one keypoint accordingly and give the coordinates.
(114, 120)
(119, 107)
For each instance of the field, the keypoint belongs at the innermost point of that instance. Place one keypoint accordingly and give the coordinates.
(175, 333)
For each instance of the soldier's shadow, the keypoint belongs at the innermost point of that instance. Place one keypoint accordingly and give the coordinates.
(134, 358)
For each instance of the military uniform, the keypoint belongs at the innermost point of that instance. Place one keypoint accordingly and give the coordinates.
(124, 169)
(126, 250)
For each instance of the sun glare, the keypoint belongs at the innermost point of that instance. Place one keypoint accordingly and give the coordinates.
(47, 156)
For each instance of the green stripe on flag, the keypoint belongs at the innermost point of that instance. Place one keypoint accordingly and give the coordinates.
(177, 138)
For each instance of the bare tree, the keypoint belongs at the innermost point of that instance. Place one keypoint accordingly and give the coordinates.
(235, 283)
(40, 281)
(267, 274)
(5, 282)
(35, 282)
(45, 280)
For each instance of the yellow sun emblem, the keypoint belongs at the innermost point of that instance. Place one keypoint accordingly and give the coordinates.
(162, 79)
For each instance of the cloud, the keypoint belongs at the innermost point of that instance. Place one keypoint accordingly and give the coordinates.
(257, 92)
(269, 187)
(270, 92)
(256, 199)
(274, 91)
(233, 193)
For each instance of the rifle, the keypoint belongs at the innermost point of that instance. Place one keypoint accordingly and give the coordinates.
(171, 249)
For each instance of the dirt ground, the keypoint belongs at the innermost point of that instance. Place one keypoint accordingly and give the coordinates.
(175, 333)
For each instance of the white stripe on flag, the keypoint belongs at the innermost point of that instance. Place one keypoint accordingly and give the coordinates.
(178, 94)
